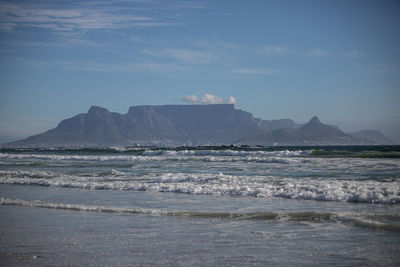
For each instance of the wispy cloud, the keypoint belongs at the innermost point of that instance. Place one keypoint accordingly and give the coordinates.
(217, 44)
(276, 49)
(259, 50)
(137, 39)
(246, 71)
(159, 67)
(353, 54)
(62, 41)
(318, 53)
(83, 16)
(208, 99)
(187, 55)
(379, 68)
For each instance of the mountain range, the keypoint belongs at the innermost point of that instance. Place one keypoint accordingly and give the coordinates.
(372, 135)
(175, 125)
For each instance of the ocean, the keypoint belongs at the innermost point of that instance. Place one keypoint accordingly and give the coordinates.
(200, 206)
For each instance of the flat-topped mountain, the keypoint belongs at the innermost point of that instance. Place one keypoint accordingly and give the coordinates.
(176, 125)
(150, 125)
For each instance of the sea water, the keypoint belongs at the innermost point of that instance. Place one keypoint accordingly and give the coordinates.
(200, 206)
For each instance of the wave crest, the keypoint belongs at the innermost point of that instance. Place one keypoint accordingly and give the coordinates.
(359, 220)
(219, 185)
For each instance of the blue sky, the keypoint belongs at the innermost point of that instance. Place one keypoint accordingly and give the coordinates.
(339, 60)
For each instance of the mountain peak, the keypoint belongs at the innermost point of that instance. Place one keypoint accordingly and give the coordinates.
(97, 109)
(314, 120)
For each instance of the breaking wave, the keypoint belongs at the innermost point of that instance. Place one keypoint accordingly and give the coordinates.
(371, 221)
(280, 157)
(218, 185)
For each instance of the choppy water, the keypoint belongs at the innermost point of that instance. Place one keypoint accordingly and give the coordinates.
(209, 205)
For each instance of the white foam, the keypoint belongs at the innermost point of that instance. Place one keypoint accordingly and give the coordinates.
(71, 157)
(40, 204)
(284, 153)
(221, 185)
(280, 157)
(125, 149)
(113, 172)
(173, 153)
(184, 177)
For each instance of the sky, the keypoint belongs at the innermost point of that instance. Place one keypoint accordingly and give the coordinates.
(339, 59)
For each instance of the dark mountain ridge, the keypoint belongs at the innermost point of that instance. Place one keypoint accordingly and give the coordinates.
(175, 125)
(312, 133)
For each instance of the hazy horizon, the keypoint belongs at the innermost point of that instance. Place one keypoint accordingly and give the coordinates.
(338, 60)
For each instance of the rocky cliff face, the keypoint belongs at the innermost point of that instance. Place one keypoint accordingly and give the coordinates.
(183, 125)
(192, 123)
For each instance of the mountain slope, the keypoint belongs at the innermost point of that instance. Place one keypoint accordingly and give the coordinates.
(270, 125)
(373, 136)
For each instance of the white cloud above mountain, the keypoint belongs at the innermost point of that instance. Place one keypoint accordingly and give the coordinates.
(208, 99)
